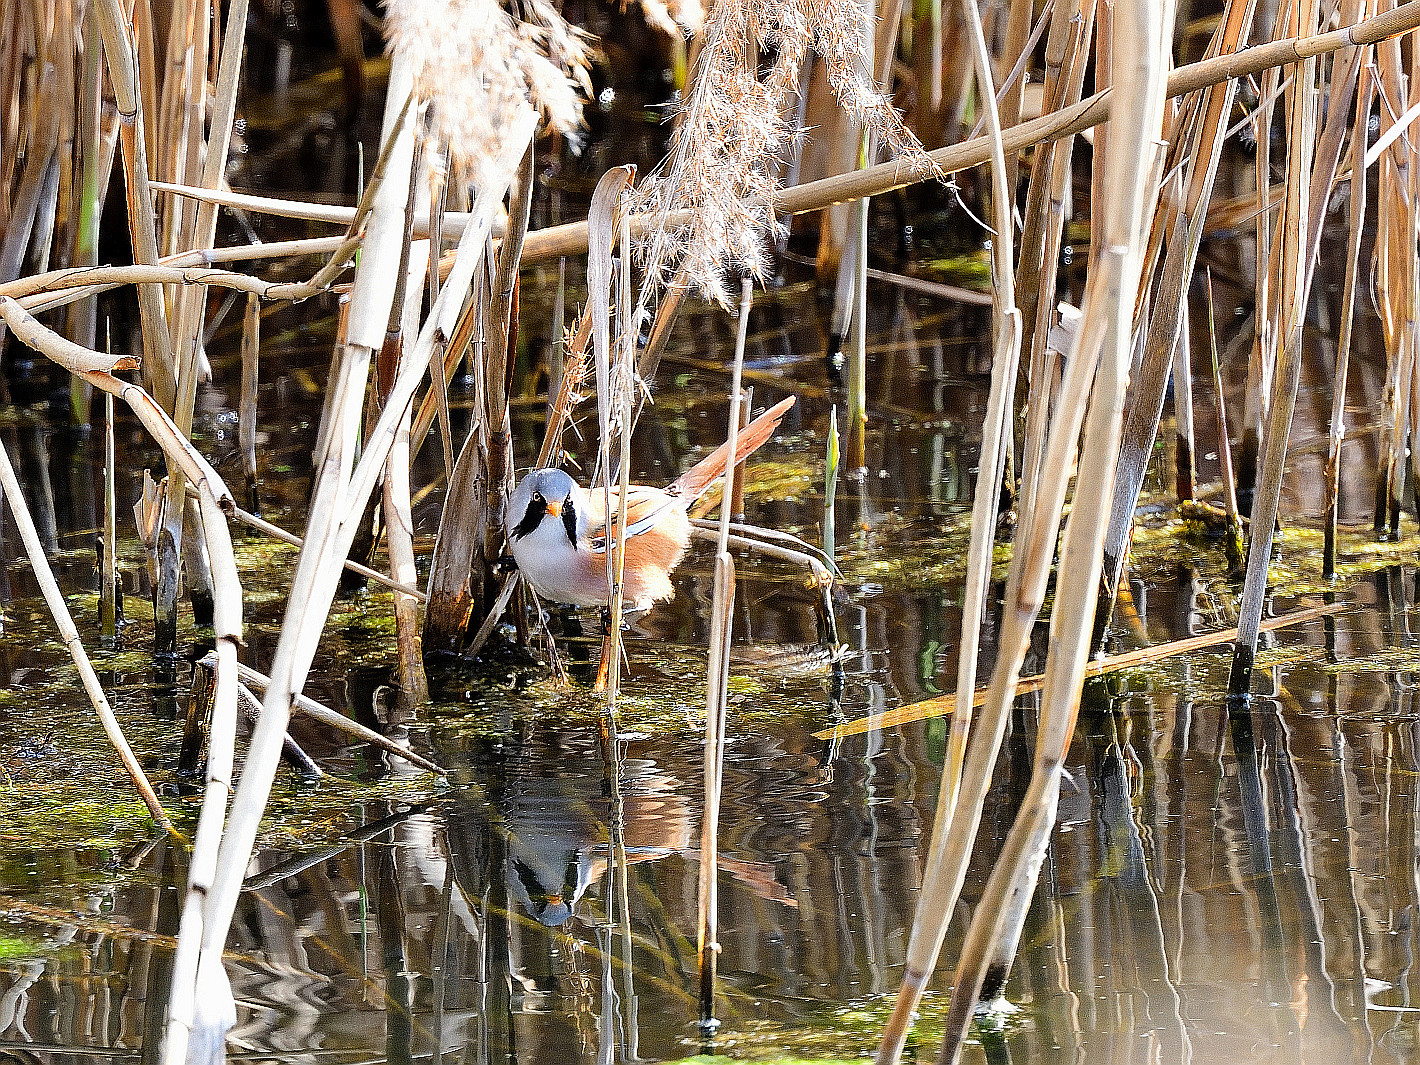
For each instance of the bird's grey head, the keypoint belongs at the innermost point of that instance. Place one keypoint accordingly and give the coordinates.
(538, 493)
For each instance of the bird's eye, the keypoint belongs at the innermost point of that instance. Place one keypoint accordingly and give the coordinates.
(537, 497)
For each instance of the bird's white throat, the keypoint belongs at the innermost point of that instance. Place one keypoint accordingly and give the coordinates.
(557, 569)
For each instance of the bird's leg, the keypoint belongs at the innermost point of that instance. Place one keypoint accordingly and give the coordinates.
(604, 666)
(775, 544)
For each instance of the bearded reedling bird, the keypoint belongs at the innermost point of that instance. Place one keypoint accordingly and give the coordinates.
(557, 528)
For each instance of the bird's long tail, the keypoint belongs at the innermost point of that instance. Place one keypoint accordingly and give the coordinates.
(696, 481)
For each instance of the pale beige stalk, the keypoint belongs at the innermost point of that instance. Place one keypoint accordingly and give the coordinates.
(929, 923)
(1142, 30)
(717, 678)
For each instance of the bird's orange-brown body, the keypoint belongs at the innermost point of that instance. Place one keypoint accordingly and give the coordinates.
(558, 534)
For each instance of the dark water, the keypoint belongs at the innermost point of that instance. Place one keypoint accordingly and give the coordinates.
(1221, 886)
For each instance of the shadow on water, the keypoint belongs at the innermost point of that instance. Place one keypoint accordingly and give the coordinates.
(1225, 883)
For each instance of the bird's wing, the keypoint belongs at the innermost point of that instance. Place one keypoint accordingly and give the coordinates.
(645, 507)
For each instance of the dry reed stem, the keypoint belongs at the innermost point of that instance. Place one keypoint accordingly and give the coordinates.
(191, 301)
(996, 429)
(33, 292)
(108, 592)
(928, 922)
(246, 417)
(1299, 236)
(1395, 278)
(1163, 324)
(603, 220)
(317, 711)
(623, 395)
(395, 500)
(500, 341)
(123, 73)
(1234, 546)
(1335, 435)
(452, 222)
(277, 533)
(717, 679)
(338, 501)
(1047, 195)
(941, 705)
(1139, 70)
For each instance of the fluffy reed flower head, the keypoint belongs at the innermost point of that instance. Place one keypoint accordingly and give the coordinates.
(480, 64)
(674, 18)
(733, 130)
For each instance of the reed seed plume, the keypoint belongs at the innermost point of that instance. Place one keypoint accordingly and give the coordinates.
(734, 129)
(480, 62)
(674, 18)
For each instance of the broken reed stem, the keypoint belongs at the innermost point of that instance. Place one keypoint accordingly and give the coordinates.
(941, 705)
(246, 417)
(108, 590)
(36, 293)
(717, 680)
(260, 524)
(54, 598)
(333, 718)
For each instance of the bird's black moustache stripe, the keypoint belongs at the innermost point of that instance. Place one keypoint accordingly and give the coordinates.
(569, 520)
(531, 519)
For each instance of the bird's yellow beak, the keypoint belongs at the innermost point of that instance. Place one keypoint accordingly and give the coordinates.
(554, 508)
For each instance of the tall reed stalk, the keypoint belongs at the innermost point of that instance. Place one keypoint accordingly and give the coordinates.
(930, 921)
(717, 680)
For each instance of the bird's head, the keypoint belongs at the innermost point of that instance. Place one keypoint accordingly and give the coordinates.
(543, 495)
